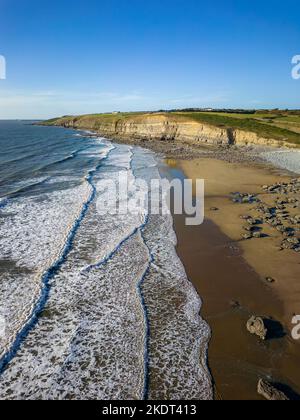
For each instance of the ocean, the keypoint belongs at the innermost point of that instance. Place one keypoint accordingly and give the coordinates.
(95, 306)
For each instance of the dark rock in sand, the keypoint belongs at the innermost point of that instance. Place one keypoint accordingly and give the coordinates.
(235, 304)
(245, 217)
(275, 223)
(269, 392)
(258, 235)
(288, 233)
(290, 243)
(281, 202)
(244, 198)
(247, 236)
(281, 228)
(254, 222)
(251, 228)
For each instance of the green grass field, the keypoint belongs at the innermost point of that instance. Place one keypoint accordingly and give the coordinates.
(269, 125)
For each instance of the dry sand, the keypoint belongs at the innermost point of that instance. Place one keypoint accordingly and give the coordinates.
(223, 178)
(226, 269)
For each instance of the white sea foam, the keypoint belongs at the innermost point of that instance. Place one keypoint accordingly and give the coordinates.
(33, 235)
(178, 347)
(179, 338)
(89, 343)
(285, 159)
(95, 327)
(63, 178)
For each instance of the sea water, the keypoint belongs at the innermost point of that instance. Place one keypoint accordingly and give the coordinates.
(95, 306)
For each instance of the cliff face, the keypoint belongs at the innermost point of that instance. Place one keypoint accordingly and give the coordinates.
(164, 128)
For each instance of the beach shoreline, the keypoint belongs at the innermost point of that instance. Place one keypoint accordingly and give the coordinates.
(230, 273)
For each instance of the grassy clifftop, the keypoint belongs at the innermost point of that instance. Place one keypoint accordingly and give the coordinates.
(270, 126)
(277, 125)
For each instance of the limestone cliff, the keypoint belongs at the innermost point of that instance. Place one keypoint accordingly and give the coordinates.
(166, 127)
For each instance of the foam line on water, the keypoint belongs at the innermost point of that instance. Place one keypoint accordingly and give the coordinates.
(140, 293)
(52, 270)
(107, 258)
(28, 187)
(140, 283)
(143, 302)
(3, 203)
(71, 156)
(110, 256)
(146, 316)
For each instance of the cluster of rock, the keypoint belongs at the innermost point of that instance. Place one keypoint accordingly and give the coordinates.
(277, 209)
(244, 198)
(252, 227)
(284, 187)
(277, 216)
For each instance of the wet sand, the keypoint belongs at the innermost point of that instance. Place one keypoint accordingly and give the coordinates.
(226, 270)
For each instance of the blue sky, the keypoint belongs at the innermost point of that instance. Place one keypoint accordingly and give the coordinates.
(73, 57)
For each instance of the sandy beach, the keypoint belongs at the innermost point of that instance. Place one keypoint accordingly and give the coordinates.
(230, 275)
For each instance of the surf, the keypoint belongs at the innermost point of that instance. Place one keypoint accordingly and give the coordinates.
(51, 271)
(91, 299)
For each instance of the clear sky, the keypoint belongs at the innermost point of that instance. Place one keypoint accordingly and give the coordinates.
(83, 56)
